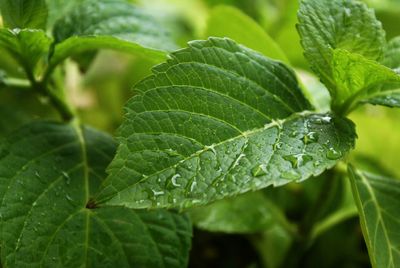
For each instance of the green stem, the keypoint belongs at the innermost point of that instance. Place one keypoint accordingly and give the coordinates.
(56, 98)
(16, 83)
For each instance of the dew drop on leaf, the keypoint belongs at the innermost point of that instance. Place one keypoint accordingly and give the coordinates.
(332, 154)
(310, 137)
(173, 180)
(297, 160)
(291, 175)
(258, 171)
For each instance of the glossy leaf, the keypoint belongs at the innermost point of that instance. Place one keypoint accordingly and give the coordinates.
(225, 21)
(204, 127)
(378, 203)
(360, 79)
(48, 172)
(27, 47)
(112, 24)
(330, 24)
(24, 13)
(248, 213)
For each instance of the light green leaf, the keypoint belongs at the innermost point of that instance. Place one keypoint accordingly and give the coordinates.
(391, 56)
(359, 79)
(48, 172)
(378, 203)
(112, 24)
(27, 47)
(248, 213)
(24, 13)
(389, 99)
(225, 21)
(329, 24)
(204, 127)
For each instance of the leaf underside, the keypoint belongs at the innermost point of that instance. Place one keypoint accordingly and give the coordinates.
(378, 203)
(203, 128)
(112, 24)
(47, 174)
(24, 13)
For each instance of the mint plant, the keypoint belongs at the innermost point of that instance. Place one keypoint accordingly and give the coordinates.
(214, 137)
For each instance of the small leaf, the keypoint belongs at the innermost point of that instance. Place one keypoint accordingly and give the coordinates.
(248, 213)
(24, 13)
(27, 47)
(206, 119)
(48, 172)
(391, 56)
(226, 21)
(358, 78)
(329, 24)
(378, 203)
(113, 24)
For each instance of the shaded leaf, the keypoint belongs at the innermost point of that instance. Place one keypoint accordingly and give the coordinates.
(378, 203)
(203, 128)
(225, 21)
(24, 13)
(248, 213)
(112, 24)
(47, 174)
(27, 46)
(329, 24)
(391, 56)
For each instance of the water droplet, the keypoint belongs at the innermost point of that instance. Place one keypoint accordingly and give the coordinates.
(37, 175)
(294, 133)
(297, 160)
(332, 154)
(326, 119)
(258, 171)
(173, 180)
(211, 148)
(156, 193)
(171, 152)
(316, 163)
(67, 177)
(69, 198)
(277, 146)
(310, 137)
(193, 185)
(291, 175)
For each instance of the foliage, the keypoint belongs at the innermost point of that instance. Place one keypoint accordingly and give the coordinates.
(230, 134)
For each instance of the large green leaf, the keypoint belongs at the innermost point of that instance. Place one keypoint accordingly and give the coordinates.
(248, 213)
(27, 46)
(48, 172)
(378, 203)
(225, 21)
(329, 24)
(391, 57)
(112, 24)
(359, 79)
(24, 13)
(58, 9)
(203, 128)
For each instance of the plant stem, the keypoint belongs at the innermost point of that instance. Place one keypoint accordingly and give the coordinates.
(56, 98)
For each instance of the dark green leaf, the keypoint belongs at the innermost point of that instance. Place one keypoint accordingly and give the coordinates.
(112, 24)
(248, 213)
(27, 47)
(329, 24)
(203, 128)
(24, 13)
(47, 174)
(378, 203)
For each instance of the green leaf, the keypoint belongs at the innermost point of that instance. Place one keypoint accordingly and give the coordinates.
(58, 9)
(391, 56)
(204, 127)
(112, 24)
(48, 172)
(225, 21)
(359, 79)
(378, 203)
(329, 24)
(27, 46)
(24, 13)
(248, 213)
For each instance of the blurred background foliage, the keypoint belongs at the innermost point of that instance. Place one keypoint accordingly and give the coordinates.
(99, 83)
